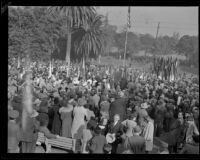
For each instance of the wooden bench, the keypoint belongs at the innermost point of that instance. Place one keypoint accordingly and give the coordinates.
(61, 142)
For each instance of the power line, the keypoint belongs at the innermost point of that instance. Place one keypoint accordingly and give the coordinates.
(165, 22)
(157, 29)
(166, 27)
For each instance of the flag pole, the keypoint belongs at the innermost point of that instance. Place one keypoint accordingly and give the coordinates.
(128, 26)
(125, 48)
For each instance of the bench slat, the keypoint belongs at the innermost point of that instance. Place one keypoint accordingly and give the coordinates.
(63, 147)
(59, 143)
(64, 140)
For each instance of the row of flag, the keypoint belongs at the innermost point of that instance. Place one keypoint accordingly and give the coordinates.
(165, 68)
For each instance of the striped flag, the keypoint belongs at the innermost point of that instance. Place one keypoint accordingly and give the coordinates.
(129, 18)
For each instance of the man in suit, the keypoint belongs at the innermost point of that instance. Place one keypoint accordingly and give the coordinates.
(97, 142)
(14, 133)
(136, 142)
(115, 128)
(30, 133)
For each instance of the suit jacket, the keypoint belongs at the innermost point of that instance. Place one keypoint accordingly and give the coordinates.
(115, 128)
(97, 144)
(14, 135)
(118, 107)
(136, 144)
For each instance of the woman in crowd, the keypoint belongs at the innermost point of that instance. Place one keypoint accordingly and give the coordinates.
(57, 122)
(66, 116)
(87, 135)
(80, 115)
(168, 101)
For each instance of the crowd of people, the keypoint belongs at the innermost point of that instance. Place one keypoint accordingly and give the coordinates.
(107, 110)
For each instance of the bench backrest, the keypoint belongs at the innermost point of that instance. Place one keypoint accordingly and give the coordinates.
(62, 142)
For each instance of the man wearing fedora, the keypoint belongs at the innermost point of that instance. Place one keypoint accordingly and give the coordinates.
(97, 142)
(136, 143)
(30, 133)
(14, 134)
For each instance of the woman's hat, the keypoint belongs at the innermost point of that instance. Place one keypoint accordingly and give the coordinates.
(13, 114)
(81, 102)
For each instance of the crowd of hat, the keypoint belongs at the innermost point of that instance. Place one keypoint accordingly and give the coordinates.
(145, 93)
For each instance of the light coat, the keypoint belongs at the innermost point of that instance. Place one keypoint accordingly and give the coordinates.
(148, 135)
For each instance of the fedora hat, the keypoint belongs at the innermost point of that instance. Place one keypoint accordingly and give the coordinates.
(13, 114)
(110, 138)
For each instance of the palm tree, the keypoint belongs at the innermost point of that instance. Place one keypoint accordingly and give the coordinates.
(91, 39)
(75, 17)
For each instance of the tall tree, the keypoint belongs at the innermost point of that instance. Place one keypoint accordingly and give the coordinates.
(90, 42)
(75, 17)
(36, 33)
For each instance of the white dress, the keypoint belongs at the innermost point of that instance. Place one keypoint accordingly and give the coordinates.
(78, 121)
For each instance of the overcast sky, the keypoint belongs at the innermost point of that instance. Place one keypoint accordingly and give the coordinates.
(145, 19)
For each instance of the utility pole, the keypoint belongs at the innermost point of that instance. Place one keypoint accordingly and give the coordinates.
(158, 27)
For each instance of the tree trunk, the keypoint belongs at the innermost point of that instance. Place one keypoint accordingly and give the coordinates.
(99, 59)
(83, 66)
(18, 61)
(67, 58)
